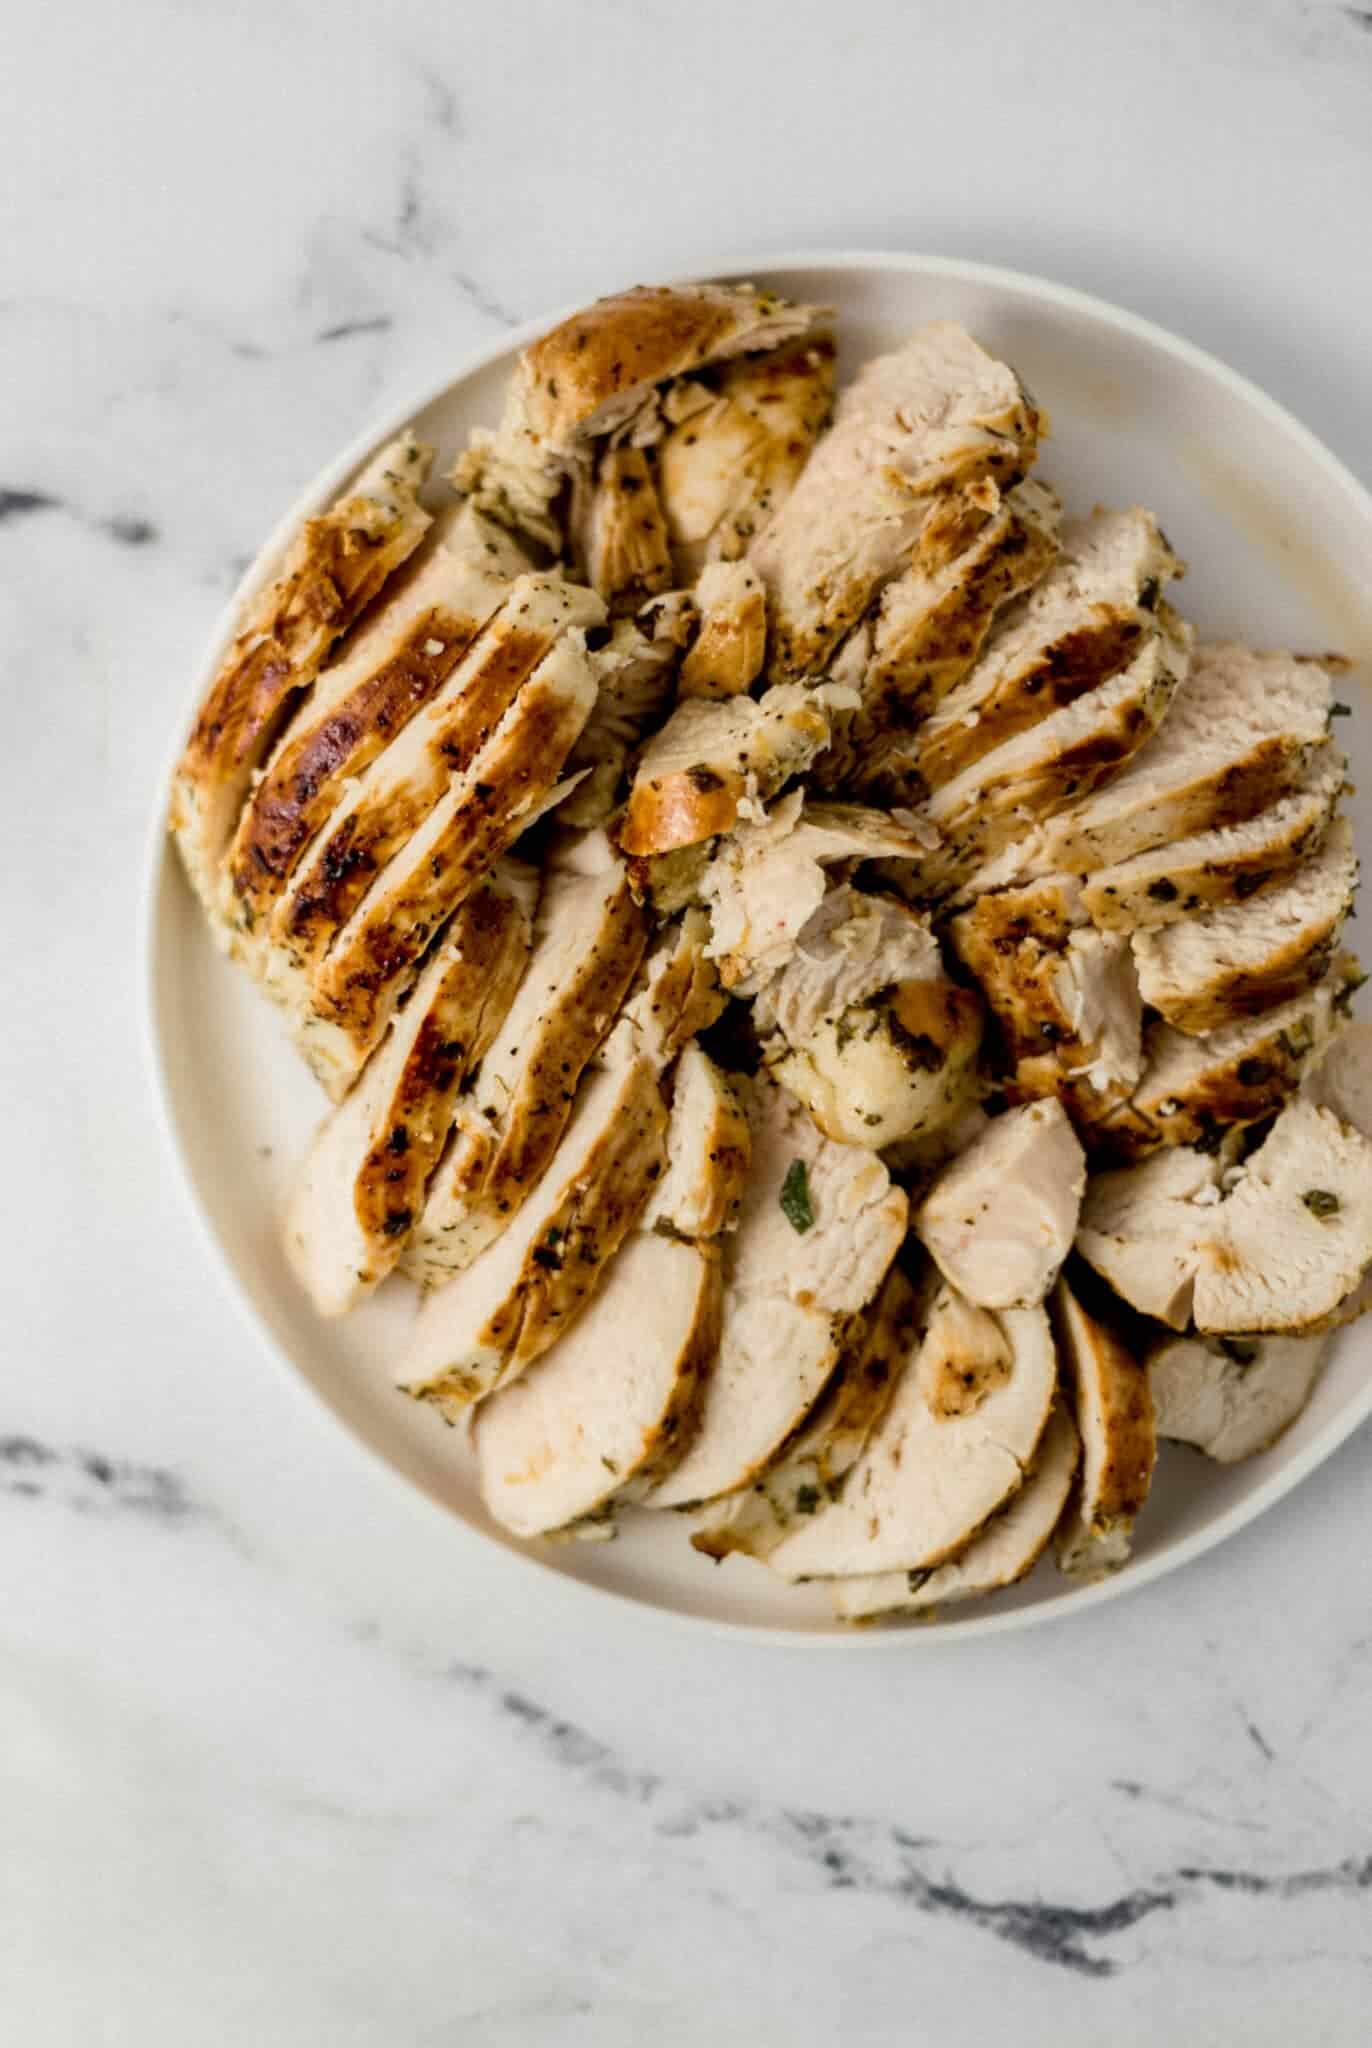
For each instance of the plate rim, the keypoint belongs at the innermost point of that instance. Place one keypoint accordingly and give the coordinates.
(157, 858)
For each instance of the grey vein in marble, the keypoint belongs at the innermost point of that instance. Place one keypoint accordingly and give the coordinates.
(91, 1483)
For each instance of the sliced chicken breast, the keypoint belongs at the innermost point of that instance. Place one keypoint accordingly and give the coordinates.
(362, 1185)
(637, 669)
(709, 1148)
(332, 570)
(727, 654)
(1005, 1549)
(1114, 1412)
(676, 996)
(1245, 957)
(936, 414)
(1232, 1397)
(1140, 1226)
(620, 539)
(593, 1424)
(1000, 1219)
(934, 1470)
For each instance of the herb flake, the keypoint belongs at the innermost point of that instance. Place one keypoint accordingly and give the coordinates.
(1320, 1202)
(796, 1205)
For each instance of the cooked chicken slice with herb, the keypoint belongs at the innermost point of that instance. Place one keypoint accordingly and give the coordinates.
(1341, 1081)
(392, 666)
(709, 1146)
(1005, 1549)
(588, 942)
(1114, 1412)
(1239, 734)
(734, 458)
(1193, 1088)
(955, 1443)
(1000, 1219)
(931, 623)
(809, 1468)
(1005, 794)
(526, 1289)
(936, 415)
(637, 668)
(677, 995)
(1089, 617)
(768, 878)
(1232, 1396)
(595, 1423)
(819, 1226)
(713, 759)
(1293, 1239)
(619, 535)
(332, 570)
(597, 375)
(1227, 963)
(363, 1182)
(726, 656)
(1140, 1226)
(864, 1026)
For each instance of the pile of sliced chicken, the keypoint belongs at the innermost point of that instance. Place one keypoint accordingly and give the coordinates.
(832, 995)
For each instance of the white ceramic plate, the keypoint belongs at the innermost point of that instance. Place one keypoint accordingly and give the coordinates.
(1277, 535)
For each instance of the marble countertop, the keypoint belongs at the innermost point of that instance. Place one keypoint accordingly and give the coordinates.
(279, 1762)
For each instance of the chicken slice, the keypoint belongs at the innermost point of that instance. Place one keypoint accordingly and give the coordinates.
(936, 415)
(677, 996)
(597, 375)
(1239, 734)
(362, 1184)
(864, 1026)
(1294, 1237)
(637, 670)
(392, 666)
(1232, 1396)
(620, 536)
(332, 570)
(1341, 1080)
(810, 1466)
(526, 1289)
(1090, 617)
(713, 758)
(1005, 1549)
(1245, 957)
(709, 1147)
(933, 1472)
(726, 657)
(1140, 1226)
(1227, 864)
(999, 1221)
(588, 943)
(1114, 1412)
(592, 1425)
(734, 459)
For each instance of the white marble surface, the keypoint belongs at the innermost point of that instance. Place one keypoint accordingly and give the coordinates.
(283, 1760)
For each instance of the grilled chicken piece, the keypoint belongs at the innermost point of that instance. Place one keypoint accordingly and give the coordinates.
(620, 536)
(1005, 1549)
(1294, 1238)
(1114, 1412)
(597, 376)
(819, 1226)
(1089, 617)
(1232, 1396)
(726, 657)
(637, 669)
(709, 1147)
(710, 760)
(589, 941)
(362, 1185)
(1140, 1226)
(525, 1290)
(809, 1468)
(1341, 1081)
(1246, 957)
(935, 1469)
(1193, 1088)
(999, 1221)
(332, 570)
(734, 459)
(767, 880)
(1239, 734)
(925, 422)
(393, 665)
(864, 1026)
(1228, 864)
(1022, 783)
(596, 1422)
(930, 625)
(677, 996)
